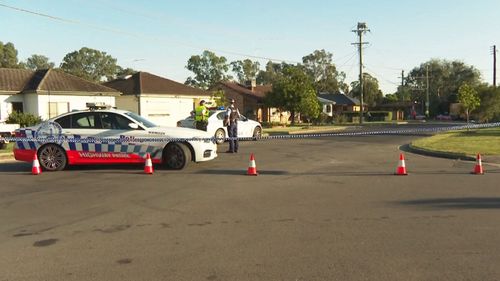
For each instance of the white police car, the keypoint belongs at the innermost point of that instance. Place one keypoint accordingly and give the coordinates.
(247, 128)
(110, 136)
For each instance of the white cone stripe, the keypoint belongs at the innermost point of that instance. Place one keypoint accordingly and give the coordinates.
(36, 163)
(401, 163)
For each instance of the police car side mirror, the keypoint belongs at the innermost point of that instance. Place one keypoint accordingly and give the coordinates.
(133, 126)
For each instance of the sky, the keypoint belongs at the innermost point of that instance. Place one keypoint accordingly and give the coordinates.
(160, 36)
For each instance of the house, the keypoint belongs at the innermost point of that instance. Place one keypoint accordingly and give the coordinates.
(250, 101)
(342, 102)
(326, 106)
(48, 93)
(400, 109)
(160, 100)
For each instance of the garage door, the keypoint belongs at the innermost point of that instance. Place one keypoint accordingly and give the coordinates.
(166, 111)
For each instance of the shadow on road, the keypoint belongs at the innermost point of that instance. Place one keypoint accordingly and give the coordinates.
(456, 203)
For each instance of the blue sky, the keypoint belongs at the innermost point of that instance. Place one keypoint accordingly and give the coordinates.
(160, 36)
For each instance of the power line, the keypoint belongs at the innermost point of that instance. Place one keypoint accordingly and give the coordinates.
(135, 35)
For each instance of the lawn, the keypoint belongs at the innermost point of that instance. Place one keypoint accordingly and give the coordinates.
(484, 141)
(9, 147)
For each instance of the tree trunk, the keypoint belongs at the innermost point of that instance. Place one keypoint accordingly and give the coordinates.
(293, 117)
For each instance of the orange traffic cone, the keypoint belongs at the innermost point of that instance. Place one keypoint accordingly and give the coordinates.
(478, 169)
(401, 170)
(252, 169)
(148, 167)
(35, 168)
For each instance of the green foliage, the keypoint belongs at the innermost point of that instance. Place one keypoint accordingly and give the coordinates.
(272, 72)
(390, 98)
(90, 64)
(220, 97)
(489, 110)
(372, 95)
(445, 77)
(36, 62)
(208, 69)
(469, 99)
(23, 119)
(8, 56)
(320, 67)
(294, 91)
(246, 70)
(125, 71)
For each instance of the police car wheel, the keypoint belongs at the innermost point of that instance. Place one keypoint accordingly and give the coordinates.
(257, 133)
(177, 156)
(220, 136)
(52, 157)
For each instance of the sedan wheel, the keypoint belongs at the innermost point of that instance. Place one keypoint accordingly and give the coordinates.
(257, 133)
(220, 136)
(176, 156)
(52, 157)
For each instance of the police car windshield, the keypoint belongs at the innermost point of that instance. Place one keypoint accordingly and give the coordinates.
(143, 121)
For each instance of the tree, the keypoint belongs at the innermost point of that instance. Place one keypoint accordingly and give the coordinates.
(90, 64)
(445, 77)
(125, 71)
(320, 67)
(246, 70)
(294, 91)
(38, 62)
(8, 56)
(469, 99)
(272, 72)
(372, 94)
(208, 69)
(489, 110)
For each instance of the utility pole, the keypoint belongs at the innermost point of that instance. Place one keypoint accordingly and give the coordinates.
(362, 29)
(494, 66)
(402, 85)
(427, 90)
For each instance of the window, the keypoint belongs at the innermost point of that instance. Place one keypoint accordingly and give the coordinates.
(112, 121)
(17, 107)
(328, 108)
(58, 108)
(65, 121)
(85, 120)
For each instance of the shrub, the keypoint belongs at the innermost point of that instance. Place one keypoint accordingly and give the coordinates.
(23, 119)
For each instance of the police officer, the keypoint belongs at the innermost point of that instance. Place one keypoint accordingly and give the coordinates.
(201, 116)
(231, 120)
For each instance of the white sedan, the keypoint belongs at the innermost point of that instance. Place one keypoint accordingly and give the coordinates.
(246, 128)
(110, 137)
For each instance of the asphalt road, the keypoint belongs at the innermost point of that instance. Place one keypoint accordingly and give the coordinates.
(320, 209)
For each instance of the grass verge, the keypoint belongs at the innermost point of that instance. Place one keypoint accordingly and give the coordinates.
(484, 141)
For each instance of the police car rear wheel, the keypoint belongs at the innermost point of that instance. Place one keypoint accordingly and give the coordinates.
(220, 136)
(52, 157)
(177, 156)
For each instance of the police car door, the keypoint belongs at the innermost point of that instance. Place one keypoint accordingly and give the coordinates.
(123, 135)
(78, 130)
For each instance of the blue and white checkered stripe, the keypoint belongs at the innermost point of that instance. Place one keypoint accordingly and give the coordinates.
(88, 146)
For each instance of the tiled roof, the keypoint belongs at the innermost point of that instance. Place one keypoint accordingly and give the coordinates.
(340, 98)
(14, 80)
(258, 92)
(47, 80)
(147, 83)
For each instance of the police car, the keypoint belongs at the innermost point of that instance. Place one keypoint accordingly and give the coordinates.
(109, 136)
(247, 128)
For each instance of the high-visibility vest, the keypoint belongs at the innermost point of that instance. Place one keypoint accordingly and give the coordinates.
(201, 113)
